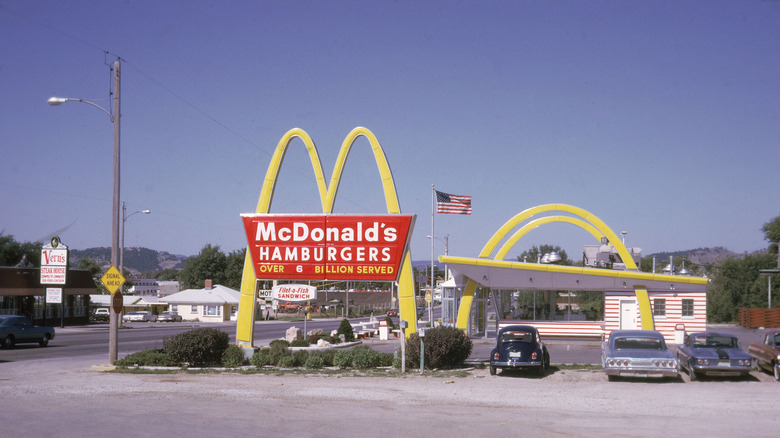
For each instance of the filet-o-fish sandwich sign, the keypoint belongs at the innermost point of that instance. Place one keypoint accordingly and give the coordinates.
(327, 247)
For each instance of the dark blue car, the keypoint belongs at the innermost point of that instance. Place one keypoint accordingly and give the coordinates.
(519, 347)
(713, 354)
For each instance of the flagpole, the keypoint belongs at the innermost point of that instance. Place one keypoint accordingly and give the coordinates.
(433, 236)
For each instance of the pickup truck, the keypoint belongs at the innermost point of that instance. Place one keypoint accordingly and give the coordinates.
(768, 354)
(101, 314)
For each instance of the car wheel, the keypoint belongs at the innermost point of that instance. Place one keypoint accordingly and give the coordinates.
(9, 341)
(777, 371)
(44, 341)
(691, 373)
(611, 378)
(492, 370)
(542, 369)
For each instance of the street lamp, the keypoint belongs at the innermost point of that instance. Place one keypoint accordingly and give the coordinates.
(124, 219)
(769, 285)
(115, 116)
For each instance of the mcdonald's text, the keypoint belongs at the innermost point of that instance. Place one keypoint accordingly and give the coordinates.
(321, 247)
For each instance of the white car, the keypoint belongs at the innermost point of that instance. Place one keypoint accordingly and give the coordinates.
(141, 316)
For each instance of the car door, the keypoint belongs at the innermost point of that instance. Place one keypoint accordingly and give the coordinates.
(23, 329)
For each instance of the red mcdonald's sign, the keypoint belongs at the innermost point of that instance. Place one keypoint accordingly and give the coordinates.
(327, 247)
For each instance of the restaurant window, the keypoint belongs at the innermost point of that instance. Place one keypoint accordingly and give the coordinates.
(687, 307)
(659, 307)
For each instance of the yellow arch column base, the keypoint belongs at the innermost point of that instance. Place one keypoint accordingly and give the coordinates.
(645, 310)
(406, 304)
(465, 305)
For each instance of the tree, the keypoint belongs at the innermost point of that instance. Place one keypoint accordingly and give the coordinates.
(235, 269)
(13, 252)
(533, 254)
(771, 231)
(210, 264)
(736, 283)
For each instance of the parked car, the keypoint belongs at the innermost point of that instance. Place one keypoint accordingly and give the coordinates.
(392, 312)
(101, 314)
(140, 315)
(169, 316)
(768, 354)
(713, 354)
(15, 329)
(519, 347)
(637, 353)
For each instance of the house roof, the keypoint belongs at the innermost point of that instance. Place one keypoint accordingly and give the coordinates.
(216, 295)
(105, 300)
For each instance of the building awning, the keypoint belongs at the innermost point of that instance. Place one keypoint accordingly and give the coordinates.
(27, 282)
(508, 275)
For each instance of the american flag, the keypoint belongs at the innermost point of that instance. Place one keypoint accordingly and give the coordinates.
(452, 204)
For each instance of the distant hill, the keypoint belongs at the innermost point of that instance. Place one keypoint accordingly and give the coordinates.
(699, 256)
(137, 260)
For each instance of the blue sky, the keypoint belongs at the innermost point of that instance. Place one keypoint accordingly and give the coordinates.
(661, 118)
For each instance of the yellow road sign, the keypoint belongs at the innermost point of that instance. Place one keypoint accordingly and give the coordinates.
(112, 279)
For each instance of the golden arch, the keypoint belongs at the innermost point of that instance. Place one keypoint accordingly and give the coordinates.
(591, 223)
(245, 323)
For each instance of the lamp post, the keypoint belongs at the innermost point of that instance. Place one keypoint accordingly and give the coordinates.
(769, 285)
(115, 116)
(124, 219)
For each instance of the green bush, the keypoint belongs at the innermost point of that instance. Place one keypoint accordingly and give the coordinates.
(199, 347)
(261, 358)
(445, 347)
(300, 356)
(287, 362)
(233, 356)
(364, 357)
(345, 328)
(152, 358)
(299, 343)
(390, 323)
(342, 359)
(314, 362)
(326, 355)
(277, 352)
(279, 343)
(386, 359)
(314, 338)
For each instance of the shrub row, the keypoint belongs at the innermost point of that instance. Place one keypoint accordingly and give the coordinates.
(445, 347)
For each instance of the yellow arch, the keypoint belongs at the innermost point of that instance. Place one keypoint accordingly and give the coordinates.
(541, 221)
(245, 323)
(594, 226)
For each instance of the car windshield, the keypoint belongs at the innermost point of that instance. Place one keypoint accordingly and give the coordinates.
(638, 343)
(715, 342)
(516, 336)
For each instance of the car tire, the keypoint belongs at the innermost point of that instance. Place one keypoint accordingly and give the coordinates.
(542, 368)
(492, 370)
(611, 378)
(44, 341)
(8, 342)
(777, 371)
(691, 373)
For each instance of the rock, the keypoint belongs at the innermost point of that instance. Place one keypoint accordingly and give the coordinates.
(323, 343)
(315, 332)
(292, 334)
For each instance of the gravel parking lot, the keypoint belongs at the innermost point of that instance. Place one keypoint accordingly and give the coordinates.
(72, 399)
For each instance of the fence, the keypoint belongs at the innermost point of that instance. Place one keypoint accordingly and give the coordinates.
(755, 318)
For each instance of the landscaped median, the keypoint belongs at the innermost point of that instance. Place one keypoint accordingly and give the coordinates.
(210, 349)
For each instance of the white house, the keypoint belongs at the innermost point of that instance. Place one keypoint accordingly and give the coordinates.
(210, 304)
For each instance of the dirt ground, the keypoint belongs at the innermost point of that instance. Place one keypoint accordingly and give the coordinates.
(73, 399)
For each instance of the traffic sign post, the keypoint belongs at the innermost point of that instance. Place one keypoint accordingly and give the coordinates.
(113, 281)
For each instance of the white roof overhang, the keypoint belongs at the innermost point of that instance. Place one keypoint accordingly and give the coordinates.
(501, 274)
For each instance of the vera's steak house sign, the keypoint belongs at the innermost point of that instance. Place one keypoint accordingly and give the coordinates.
(327, 247)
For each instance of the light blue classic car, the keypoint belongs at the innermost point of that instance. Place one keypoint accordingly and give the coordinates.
(637, 353)
(713, 354)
